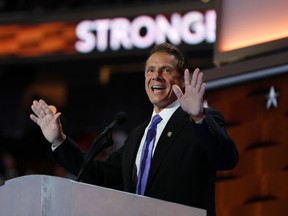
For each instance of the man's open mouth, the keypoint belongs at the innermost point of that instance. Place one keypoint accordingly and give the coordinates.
(157, 87)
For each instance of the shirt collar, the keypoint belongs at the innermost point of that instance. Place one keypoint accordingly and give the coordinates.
(167, 112)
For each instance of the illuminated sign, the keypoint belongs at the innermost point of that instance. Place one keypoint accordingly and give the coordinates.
(104, 36)
(143, 31)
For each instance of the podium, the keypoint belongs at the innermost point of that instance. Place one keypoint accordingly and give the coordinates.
(43, 195)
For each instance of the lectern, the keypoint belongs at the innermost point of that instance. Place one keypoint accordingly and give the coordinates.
(43, 195)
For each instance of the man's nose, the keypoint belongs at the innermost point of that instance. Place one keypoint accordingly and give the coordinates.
(156, 74)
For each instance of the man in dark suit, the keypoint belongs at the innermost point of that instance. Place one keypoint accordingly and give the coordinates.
(191, 141)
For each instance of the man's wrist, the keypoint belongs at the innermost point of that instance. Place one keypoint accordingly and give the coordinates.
(198, 119)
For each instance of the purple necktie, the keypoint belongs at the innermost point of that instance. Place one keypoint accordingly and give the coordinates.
(146, 155)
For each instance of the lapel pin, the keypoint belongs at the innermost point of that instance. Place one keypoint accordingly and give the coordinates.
(169, 134)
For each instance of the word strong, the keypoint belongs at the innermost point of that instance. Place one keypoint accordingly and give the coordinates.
(143, 31)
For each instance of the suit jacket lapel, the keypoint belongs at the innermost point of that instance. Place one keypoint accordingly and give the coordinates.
(173, 127)
(129, 169)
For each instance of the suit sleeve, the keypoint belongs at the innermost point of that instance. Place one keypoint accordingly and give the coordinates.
(219, 147)
(102, 173)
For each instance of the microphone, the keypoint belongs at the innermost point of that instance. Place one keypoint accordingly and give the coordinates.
(96, 146)
(119, 118)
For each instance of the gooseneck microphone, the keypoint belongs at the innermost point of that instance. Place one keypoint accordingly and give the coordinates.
(99, 144)
(119, 118)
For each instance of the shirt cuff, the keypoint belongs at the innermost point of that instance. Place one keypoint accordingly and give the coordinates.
(200, 121)
(55, 145)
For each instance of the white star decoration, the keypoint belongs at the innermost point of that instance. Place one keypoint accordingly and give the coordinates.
(272, 98)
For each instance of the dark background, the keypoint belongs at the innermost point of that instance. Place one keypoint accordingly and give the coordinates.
(73, 86)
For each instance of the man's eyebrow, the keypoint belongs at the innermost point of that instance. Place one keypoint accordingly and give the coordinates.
(167, 67)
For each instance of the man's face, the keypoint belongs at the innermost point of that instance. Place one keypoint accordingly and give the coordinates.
(160, 75)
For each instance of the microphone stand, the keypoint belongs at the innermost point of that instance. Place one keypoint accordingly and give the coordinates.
(98, 145)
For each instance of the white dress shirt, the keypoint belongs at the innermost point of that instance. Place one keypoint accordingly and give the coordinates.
(165, 115)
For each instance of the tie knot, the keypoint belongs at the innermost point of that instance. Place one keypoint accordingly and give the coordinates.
(155, 120)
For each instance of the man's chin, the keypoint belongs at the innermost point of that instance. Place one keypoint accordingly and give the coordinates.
(161, 104)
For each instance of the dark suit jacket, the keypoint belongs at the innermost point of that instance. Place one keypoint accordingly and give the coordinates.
(183, 168)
